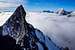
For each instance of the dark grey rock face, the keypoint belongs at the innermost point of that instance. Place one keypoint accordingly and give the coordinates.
(24, 35)
(16, 24)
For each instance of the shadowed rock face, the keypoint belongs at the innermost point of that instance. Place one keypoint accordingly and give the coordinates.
(16, 26)
(8, 43)
(23, 34)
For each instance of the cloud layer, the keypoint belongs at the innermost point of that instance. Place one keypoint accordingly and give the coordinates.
(6, 4)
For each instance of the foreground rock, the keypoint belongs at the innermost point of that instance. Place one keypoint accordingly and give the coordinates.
(20, 35)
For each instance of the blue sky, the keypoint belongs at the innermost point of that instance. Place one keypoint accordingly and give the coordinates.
(50, 4)
(38, 5)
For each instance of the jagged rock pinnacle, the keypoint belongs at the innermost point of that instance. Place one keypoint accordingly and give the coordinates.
(16, 26)
(19, 12)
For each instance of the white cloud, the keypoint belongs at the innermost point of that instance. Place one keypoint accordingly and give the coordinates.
(60, 29)
(4, 4)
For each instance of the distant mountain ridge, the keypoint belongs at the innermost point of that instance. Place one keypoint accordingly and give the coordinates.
(61, 11)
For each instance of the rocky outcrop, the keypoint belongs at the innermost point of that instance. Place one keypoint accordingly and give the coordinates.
(62, 12)
(24, 35)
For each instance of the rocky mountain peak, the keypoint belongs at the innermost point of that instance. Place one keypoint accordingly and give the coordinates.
(61, 11)
(16, 25)
(24, 34)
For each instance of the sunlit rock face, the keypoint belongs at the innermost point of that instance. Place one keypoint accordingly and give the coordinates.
(62, 12)
(24, 35)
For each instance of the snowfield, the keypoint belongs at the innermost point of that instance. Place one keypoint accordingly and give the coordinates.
(60, 28)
